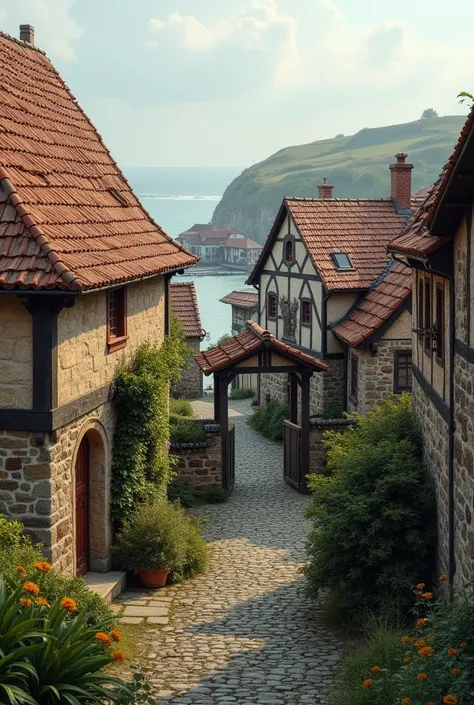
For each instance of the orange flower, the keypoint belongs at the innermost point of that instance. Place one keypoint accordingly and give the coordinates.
(21, 570)
(104, 638)
(420, 643)
(115, 635)
(406, 701)
(120, 656)
(406, 639)
(426, 651)
(406, 660)
(420, 586)
(422, 676)
(463, 644)
(375, 669)
(456, 671)
(427, 595)
(368, 682)
(452, 652)
(442, 577)
(42, 602)
(43, 566)
(450, 700)
(69, 604)
(429, 703)
(30, 587)
(421, 622)
(25, 602)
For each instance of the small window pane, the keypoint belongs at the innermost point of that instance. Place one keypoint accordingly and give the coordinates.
(272, 306)
(289, 251)
(403, 372)
(306, 312)
(342, 260)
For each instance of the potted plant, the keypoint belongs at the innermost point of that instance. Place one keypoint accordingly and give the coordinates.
(152, 542)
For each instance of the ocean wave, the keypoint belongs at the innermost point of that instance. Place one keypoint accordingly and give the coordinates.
(163, 197)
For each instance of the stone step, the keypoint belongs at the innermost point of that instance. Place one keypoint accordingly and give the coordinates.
(107, 585)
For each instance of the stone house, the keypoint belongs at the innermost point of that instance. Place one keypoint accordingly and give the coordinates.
(207, 241)
(321, 258)
(184, 305)
(84, 280)
(244, 308)
(438, 246)
(241, 252)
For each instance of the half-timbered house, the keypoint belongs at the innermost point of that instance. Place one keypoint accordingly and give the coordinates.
(184, 305)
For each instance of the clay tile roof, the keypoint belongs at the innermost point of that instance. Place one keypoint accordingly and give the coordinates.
(253, 339)
(68, 218)
(388, 293)
(185, 305)
(243, 243)
(242, 299)
(416, 239)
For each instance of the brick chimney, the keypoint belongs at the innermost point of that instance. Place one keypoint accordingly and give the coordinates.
(325, 191)
(401, 182)
(27, 33)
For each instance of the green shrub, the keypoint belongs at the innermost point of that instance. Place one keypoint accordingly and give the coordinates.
(160, 535)
(374, 519)
(242, 394)
(181, 407)
(335, 412)
(218, 495)
(181, 492)
(223, 339)
(187, 431)
(268, 420)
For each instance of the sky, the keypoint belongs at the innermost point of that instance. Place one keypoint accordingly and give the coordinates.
(229, 82)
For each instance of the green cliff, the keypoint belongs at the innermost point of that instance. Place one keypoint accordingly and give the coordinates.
(356, 165)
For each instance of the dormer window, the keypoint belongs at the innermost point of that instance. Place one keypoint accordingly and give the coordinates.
(342, 261)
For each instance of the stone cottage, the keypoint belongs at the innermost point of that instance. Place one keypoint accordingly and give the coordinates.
(438, 246)
(84, 279)
(184, 305)
(322, 257)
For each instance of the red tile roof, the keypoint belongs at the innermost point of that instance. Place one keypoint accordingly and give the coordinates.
(243, 243)
(68, 218)
(417, 240)
(362, 228)
(185, 305)
(253, 339)
(242, 299)
(386, 296)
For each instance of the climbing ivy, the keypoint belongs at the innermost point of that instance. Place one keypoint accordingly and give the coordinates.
(141, 466)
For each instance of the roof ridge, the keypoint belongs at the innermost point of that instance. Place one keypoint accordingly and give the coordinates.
(313, 199)
(36, 233)
(25, 45)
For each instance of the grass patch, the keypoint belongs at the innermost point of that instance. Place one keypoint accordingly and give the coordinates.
(242, 394)
(181, 407)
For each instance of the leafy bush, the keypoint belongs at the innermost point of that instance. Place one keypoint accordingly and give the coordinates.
(187, 431)
(160, 535)
(334, 412)
(181, 492)
(218, 495)
(16, 549)
(374, 518)
(181, 407)
(242, 394)
(268, 420)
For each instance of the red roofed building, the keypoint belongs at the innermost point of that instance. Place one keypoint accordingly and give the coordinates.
(244, 308)
(323, 256)
(184, 305)
(84, 280)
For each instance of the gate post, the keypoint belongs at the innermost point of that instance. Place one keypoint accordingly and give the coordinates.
(293, 398)
(224, 423)
(305, 430)
(217, 397)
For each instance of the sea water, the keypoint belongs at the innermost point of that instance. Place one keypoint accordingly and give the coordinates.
(178, 197)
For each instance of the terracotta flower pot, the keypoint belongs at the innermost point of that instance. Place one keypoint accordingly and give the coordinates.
(153, 578)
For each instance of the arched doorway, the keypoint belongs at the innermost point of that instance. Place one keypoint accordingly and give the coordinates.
(82, 507)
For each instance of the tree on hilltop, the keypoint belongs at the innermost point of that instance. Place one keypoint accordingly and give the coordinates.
(429, 113)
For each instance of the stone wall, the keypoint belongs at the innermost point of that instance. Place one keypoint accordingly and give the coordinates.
(435, 449)
(191, 385)
(16, 354)
(317, 450)
(200, 464)
(83, 362)
(274, 386)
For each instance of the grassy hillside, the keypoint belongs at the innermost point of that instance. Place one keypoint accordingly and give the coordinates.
(356, 165)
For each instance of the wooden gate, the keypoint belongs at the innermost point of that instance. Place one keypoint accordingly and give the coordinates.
(292, 455)
(228, 478)
(82, 507)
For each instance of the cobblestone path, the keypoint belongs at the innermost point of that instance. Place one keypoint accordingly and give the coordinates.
(243, 632)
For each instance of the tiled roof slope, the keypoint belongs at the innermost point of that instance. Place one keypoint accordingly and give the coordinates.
(242, 299)
(360, 228)
(68, 218)
(184, 304)
(386, 296)
(246, 344)
(417, 240)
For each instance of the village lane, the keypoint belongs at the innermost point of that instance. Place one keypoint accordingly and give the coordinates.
(244, 632)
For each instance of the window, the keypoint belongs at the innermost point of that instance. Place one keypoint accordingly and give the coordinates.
(354, 376)
(427, 326)
(272, 306)
(289, 251)
(116, 319)
(402, 372)
(439, 339)
(306, 312)
(342, 261)
(419, 321)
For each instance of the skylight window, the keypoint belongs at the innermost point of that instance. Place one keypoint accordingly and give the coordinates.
(342, 261)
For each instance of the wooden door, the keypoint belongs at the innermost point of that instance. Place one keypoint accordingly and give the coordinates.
(82, 507)
(292, 455)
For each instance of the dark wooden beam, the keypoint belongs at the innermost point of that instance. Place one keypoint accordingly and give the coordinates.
(217, 398)
(457, 204)
(305, 431)
(224, 424)
(26, 420)
(293, 398)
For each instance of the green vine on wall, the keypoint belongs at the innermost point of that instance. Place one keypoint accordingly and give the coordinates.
(141, 466)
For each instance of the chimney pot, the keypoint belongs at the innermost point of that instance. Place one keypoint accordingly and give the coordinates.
(401, 182)
(27, 33)
(325, 191)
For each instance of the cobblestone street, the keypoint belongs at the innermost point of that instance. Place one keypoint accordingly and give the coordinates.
(243, 632)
